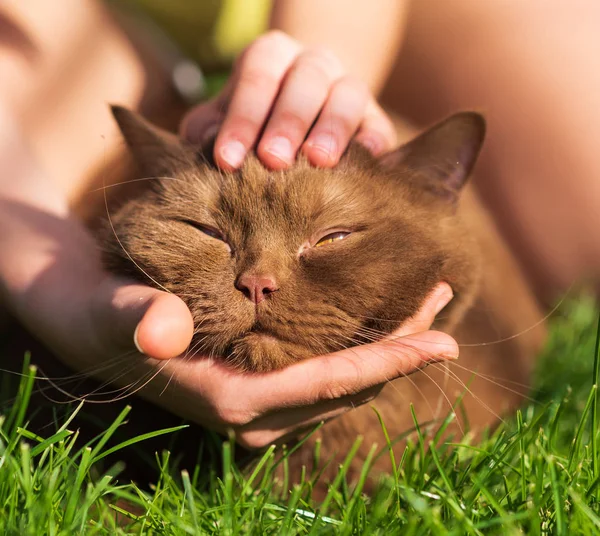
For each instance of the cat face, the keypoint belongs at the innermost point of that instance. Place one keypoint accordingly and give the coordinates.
(281, 266)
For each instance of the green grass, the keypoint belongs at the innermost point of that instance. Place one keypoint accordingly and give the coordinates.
(538, 474)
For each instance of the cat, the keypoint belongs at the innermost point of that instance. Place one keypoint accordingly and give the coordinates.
(282, 266)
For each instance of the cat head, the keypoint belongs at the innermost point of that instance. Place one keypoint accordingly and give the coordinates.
(280, 266)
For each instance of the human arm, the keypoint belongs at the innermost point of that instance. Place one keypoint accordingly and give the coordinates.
(365, 38)
(52, 114)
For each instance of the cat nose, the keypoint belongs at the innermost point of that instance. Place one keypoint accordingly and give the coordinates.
(256, 287)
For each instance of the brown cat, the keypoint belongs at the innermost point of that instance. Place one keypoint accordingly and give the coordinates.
(281, 266)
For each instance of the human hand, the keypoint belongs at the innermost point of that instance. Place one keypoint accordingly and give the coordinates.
(52, 279)
(303, 99)
(268, 407)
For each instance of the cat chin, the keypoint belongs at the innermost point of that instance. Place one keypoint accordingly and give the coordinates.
(262, 352)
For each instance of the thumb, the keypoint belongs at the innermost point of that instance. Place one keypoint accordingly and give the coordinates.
(202, 122)
(128, 316)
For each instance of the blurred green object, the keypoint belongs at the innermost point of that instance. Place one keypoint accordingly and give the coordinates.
(211, 32)
(195, 42)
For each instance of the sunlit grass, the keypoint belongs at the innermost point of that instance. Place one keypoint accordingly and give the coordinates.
(537, 474)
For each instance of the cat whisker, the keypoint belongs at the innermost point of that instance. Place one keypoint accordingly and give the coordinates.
(150, 375)
(449, 373)
(110, 222)
(187, 356)
(442, 390)
(496, 381)
(424, 356)
(194, 347)
(390, 382)
(87, 397)
(469, 391)
(141, 179)
(516, 335)
(76, 375)
(484, 377)
(109, 382)
(57, 383)
(363, 330)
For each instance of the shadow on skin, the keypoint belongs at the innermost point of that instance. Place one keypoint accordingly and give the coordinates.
(55, 236)
(13, 37)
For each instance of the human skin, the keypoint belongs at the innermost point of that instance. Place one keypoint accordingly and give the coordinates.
(54, 94)
(533, 69)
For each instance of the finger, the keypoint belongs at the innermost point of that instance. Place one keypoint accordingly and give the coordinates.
(377, 132)
(337, 123)
(332, 397)
(329, 377)
(128, 316)
(229, 400)
(437, 299)
(202, 122)
(281, 426)
(303, 94)
(258, 80)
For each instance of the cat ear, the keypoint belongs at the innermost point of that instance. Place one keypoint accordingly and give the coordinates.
(157, 152)
(441, 158)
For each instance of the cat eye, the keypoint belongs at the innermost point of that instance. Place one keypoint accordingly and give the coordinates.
(210, 231)
(331, 238)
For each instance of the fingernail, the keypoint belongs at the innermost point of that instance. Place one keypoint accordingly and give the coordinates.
(325, 143)
(233, 152)
(443, 300)
(135, 340)
(281, 147)
(449, 357)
